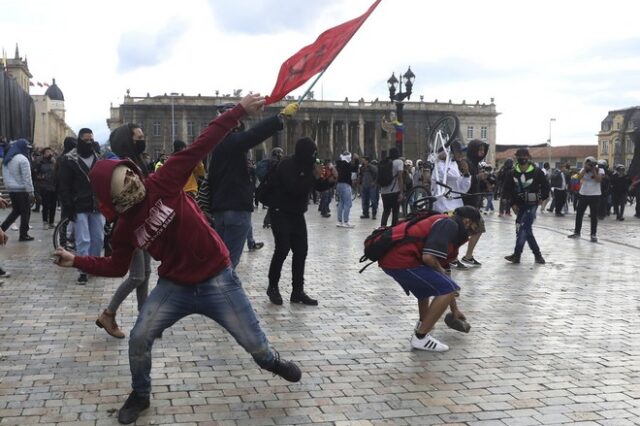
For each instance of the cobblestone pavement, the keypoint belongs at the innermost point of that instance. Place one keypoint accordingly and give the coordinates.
(557, 343)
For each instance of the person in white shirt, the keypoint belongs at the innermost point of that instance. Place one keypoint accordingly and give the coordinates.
(590, 176)
(457, 177)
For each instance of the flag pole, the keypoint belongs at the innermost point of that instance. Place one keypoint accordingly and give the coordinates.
(304, 95)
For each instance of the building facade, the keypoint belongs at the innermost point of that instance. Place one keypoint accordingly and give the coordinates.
(614, 139)
(556, 156)
(335, 125)
(50, 128)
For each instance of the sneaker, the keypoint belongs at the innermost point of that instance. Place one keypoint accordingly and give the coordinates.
(347, 225)
(339, 225)
(133, 406)
(45, 226)
(256, 246)
(326, 215)
(285, 369)
(274, 295)
(303, 299)
(459, 265)
(4, 274)
(82, 279)
(559, 214)
(373, 217)
(471, 261)
(574, 235)
(26, 238)
(539, 259)
(14, 228)
(428, 343)
(513, 258)
(594, 239)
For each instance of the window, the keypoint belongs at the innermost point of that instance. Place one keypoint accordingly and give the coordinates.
(483, 133)
(469, 132)
(191, 131)
(156, 128)
(630, 147)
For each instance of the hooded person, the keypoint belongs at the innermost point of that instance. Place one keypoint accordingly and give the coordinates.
(127, 141)
(294, 178)
(195, 273)
(16, 171)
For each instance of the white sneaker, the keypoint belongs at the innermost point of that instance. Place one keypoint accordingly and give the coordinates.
(347, 225)
(339, 225)
(428, 343)
(14, 228)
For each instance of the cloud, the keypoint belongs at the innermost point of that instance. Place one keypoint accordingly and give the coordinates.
(261, 16)
(139, 49)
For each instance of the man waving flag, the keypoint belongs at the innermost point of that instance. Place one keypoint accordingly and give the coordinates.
(316, 57)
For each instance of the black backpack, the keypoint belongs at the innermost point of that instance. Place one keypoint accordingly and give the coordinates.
(266, 188)
(383, 239)
(385, 172)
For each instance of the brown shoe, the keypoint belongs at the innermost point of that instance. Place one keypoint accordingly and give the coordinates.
(108, 322)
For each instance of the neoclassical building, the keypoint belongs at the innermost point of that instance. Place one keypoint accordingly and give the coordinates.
(335, 125)
(614, 138)
(50, 128)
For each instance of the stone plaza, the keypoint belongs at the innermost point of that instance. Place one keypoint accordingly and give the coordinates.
(549, 344)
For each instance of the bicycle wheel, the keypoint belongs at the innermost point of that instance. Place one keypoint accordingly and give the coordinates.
(418, 199)
(60, 238)
(443, 131)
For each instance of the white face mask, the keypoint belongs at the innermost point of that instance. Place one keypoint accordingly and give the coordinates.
(127, 189)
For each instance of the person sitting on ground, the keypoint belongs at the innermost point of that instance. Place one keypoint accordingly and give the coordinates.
(156, 215)
(420, 268)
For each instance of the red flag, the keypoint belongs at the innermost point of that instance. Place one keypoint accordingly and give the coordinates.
(316, 57)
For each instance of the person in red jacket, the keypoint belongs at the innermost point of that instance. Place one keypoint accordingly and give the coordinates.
(195, 273)
(420, 268)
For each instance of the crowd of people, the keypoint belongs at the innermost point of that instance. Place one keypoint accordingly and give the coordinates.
(192, 211)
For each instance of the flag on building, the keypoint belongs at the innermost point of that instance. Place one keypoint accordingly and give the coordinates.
(316, 57)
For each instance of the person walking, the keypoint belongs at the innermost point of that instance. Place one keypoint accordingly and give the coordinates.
(390, 179)
(16, 172)
(590, 177)
(45, 174)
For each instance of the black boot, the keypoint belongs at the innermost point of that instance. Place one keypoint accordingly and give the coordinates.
(133, 406)
(301, 297)
(274, 295)
(285, 369)
(513, 258)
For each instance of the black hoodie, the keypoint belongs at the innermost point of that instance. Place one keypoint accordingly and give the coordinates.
(121, 141)
(294, 179)
(474, 158)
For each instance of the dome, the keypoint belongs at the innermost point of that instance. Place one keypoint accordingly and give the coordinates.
(54, 93)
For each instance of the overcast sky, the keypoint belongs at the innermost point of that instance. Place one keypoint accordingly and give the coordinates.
(569, 60)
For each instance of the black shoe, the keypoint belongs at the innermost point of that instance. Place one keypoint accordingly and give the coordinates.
(364, 216)
(285, 369)
(539, 259)
(459, 265)
(559, 214)
(133, 406)
(26, 238)
(471, 260)
(274, 295)
(4, 274)
(594, 239)
(513, 258)
(326, 215)
(574, 235)
(303, 298)
(373, 217)
(256, 246)
(83, 279)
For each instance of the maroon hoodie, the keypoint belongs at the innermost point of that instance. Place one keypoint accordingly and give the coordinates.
(167, 222)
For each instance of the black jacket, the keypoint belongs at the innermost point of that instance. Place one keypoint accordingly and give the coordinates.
(474, 158)
(556, 179)
(76, 195)
(620, 185)
(294, 180)
(230, 184)
(45, 174)
(520, 182)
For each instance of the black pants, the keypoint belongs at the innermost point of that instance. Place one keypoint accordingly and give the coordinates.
(49, 201)
(593, 201)
(619, 201)
(390, 205)
(20, 206)
(559, 198)
(290, 234)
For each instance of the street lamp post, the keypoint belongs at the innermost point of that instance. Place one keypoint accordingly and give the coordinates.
(173, 120)
(397, 97)
(551, 120)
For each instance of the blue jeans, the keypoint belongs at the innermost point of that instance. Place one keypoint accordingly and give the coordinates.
(370, 198)
(524, 232)
(489, 203)
(233, 227)
(344, 201)
(89, 234)
(220, 298)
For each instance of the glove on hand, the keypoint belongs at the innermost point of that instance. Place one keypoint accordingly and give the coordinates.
(290, 110)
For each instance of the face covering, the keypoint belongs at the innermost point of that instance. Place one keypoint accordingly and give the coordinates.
(127, 189)
(522, 161)
(85, 149)
(140, 146)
